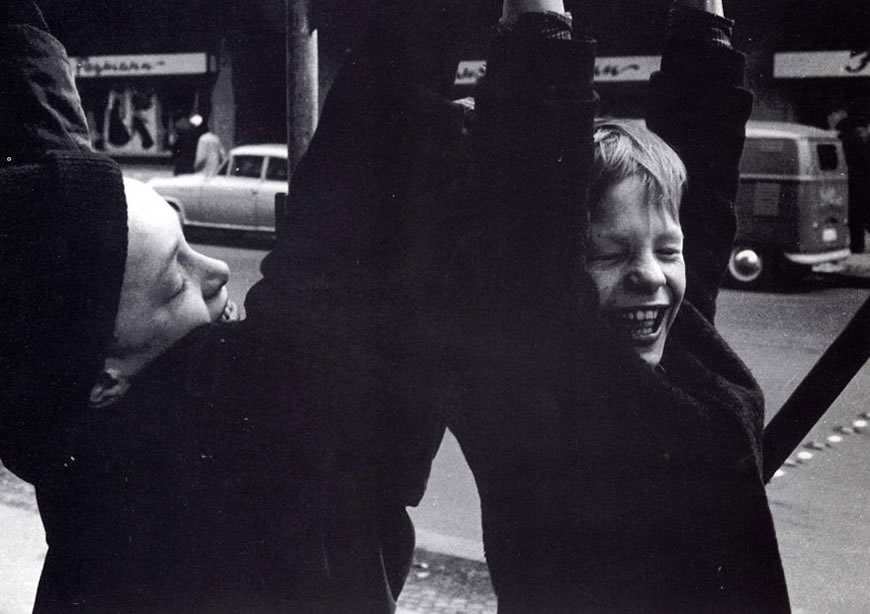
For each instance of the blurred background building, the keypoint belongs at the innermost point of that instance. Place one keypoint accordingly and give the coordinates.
(146, 66)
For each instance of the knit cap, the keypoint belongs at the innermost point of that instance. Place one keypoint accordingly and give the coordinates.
(63, 245)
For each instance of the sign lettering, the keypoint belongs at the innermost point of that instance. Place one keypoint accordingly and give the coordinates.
(863, 61)
(139, 65)
(821, 64)
(626, 68)
(616, 68)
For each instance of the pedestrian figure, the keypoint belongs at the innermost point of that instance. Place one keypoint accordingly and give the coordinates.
(187, 133)
(854, 132)
(209, 154)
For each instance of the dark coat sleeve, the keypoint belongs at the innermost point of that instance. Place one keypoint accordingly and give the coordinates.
(355, 277)
(512, 291)
(514, 297)
(698, 105)
(38, 88)
(522, 223)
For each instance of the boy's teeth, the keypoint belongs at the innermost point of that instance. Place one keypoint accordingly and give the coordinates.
(639, 322)
(641, 314)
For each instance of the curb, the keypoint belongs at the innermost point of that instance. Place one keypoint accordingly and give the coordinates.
(804, 453)
(458, 547)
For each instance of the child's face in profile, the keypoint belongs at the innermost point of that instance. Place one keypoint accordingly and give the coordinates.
(635, 258)
(169, 288)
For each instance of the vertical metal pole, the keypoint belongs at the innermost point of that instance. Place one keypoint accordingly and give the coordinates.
(301, 80)
(302, 103)
(818, 390)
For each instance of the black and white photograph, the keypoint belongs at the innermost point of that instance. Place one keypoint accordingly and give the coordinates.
(434, 306)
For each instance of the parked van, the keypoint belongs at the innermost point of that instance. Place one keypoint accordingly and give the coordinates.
(792, 204)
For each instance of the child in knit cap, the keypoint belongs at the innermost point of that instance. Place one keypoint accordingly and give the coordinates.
(181, 458)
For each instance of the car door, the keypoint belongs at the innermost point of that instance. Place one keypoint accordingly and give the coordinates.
(230, 197)
(275, 182)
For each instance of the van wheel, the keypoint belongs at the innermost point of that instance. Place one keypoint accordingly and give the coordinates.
(750, 267)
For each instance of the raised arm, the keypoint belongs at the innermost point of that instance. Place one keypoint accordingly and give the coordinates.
(524, 222)
(352, 278)
(38, 88)
(697, 104)
(514, 273)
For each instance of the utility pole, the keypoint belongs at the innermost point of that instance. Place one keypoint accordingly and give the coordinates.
(302, 75)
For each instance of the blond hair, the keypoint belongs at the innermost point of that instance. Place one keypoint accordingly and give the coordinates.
(625, 149)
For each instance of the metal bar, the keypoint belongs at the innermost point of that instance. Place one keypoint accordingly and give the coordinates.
(302, 78)
(818, 390)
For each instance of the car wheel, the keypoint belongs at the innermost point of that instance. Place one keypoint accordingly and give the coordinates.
(750, 267)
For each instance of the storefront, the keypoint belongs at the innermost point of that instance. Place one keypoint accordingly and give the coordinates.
(823, 84)
(138, 105)
(800, 63)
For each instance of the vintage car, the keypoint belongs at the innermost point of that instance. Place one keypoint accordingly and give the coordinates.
(239, 196)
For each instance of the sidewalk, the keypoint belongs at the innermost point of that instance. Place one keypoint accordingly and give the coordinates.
(22, 545)
(447, 585)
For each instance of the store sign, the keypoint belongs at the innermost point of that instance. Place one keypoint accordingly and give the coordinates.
(617, 68)
(140, 65)
(626, 68)
(816, 64)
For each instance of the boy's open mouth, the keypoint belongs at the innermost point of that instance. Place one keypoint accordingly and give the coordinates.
(640, 324)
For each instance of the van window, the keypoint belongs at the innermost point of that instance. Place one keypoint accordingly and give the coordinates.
(769, 156)
(827, 156)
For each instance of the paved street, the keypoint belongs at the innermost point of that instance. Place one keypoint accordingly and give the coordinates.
(819, 502)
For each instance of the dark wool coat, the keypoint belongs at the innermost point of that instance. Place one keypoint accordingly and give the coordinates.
(213, 487)
(201, 491)
(606, 486)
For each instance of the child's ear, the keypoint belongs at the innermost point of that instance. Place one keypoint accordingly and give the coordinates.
(110, 388)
